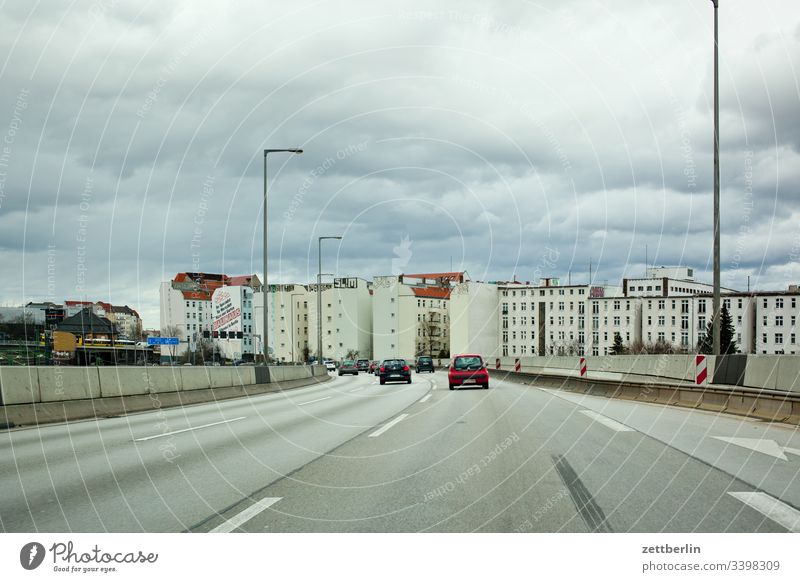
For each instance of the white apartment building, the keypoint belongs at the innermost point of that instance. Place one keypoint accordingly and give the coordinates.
(185, 304)
(776, 330)
(667, 282)
(347, 313)
(607, 317)
(474, 319)
(289, 321)
(547, 318)
(410, 315)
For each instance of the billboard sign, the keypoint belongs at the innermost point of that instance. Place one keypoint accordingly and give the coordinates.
(227, 311)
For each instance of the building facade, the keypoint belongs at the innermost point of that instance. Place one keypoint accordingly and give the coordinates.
(347, 318)
(411, 315)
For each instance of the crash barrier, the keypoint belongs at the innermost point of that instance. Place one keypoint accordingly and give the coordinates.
(70, 392)
(772, 405)
(781, 373)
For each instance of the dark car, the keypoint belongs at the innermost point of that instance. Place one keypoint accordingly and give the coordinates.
(348, 367)
(362, 365)
(395, 370)
(425, 364)
(467, 369)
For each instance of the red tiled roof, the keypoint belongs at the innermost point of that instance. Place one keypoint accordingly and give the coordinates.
(240, 280)
(432, 292)
(78, 303)
(208, 283)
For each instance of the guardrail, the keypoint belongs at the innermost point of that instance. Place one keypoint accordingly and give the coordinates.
(676, 385)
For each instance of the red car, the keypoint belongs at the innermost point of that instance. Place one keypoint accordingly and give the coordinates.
(467, 369)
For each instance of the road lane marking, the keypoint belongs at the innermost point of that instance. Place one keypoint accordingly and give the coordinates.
(425, 398)
(313, 401)
(356, 389)
(764, 446)
(246, 515)
(774, 509)
(388, 425)
(163, 434)
(605, 421)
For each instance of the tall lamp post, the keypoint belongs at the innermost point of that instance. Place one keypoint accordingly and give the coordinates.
(717, 348)
(265, 288)
(319, 294)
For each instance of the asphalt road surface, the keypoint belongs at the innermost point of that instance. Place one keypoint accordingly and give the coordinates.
(351, 455)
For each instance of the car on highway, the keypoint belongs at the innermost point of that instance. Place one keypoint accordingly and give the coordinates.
(348, 367)
(467, 369)
(424, 364)
(372, 366)
(330, 366)
(362, 364)
(394, 370)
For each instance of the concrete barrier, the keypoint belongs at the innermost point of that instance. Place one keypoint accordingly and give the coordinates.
(244, 375)
(166, 379)
(123, 381)
(19, 385)
(195, 378)
(221, 377)
(761, 372)
(57, 384)
(788, 376)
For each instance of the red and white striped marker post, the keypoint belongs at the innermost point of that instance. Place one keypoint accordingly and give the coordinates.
(701, 370)
(583, 367)
(497, 364)
(517, 365)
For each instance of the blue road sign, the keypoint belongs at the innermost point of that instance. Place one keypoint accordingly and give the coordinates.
(162, 341)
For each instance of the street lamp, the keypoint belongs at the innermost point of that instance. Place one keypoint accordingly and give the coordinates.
(716, 301)
(265, 287)
(319, 294)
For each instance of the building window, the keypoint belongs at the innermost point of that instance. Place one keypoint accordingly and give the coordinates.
(779, 303)
(778, 338)
(779, 320)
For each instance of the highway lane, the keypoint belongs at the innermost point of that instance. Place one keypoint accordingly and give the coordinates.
(350, 455)
(96, 476)
(513, 458)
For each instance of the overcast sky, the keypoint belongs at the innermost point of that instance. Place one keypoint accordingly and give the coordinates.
(509, 138)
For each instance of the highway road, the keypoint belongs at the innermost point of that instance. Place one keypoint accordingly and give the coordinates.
(351, 455)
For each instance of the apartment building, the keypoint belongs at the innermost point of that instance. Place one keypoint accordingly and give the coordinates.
(547, 318)
(411, 314)
(288, 320)
(776, 330)
(667, 282)
(186, 308)
(609, 316)
(347, 312)
(474, 319)
(126, 320)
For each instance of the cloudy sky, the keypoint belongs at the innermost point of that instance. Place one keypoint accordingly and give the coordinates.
(512, 138)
